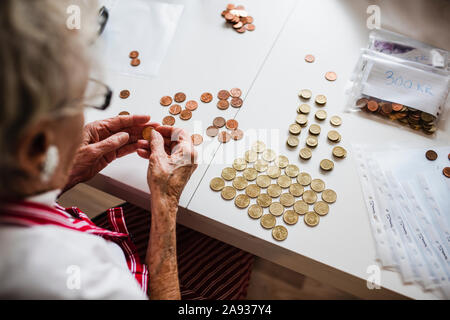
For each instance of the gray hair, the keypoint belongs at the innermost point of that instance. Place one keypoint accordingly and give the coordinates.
(43, 66)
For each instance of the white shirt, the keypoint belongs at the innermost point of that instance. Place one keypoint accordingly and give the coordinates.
(50, 262)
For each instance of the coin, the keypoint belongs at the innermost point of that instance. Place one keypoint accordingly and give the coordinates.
(321, 208)
(304, 108)
(197, 139)
(311, 219)
(284, 181)
(274, 190)
(331, 76)
(269, 155)
(296, 189)
(134, 54)
(334, 136)
(219, 122)
(253, 191)
(273, 172)
(301, 119)
(305, 153)
(232, 124)
(292, 171)
(206, 97)
(224, 137)
(329, 196)
(240, 183)
(250, 174)
(236, 102)
(124, 94)
(238, 25)
(185, 115)
(309, 58)
(228, 193)
(309, 196)
(179, 97)
(372, 105)
(251, 156)
(295, 129)
(191, 105)
(326, 165)
(317, 185)
(282, 161)
(236, 92)
(212, 131)
(362, 103)
(279, 233)
(223, 104)
(339, 152)
(242, 201)
(268, 221)
(321, 99)
(168, 121)
(261, 165)
(223, 95)
(336, 121)
(287, 199)
(175, 109)
(314, 129)
(240, 164)
(305, 94)
(124, 113)
(165, 101)
(263, 181)
(255, 211)
(431, 155)
(217, 184)
(259, 146)
(290, 217)
(229, 173)
(250, 27)
(446, 172)
(135, 62)
(321, 115)
(292, 141)
(312, 141)
(304, 179)
(241, 30)
(147, 133)
(276, 209)
(386, 107)
(264, 200)
(301, 207)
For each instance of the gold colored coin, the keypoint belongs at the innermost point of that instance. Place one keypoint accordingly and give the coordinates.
(264, 200)
(304, 108)
(309, 197)
(321, 208)
(329, 196)
(292, 141)
(253, 191)
(296, 189)
(274, 190)
(305, 94)
(268, 221)
(259, 146)
(287, 199)
(228, 193)
(334, 136)
(240, 164)
(326, 165)
(304, 179)
(240, 183)
(314, 129)
(321, 99)
(317, 185)
(301, 119)
(305, 153)
(311, 219)
(284, 181)
(301, 207)
(269, 155)
(312, 141)
(321, 115)
(336, 121)
(217, 184)
(228, 174)
(290, 217)
(292, 171)
(261, 165)
(273, 172)
(250, 174)
(263, 181)
(242, 201)
(255, 211)
(282, 162)
(251, 156)
(276, 209)
(279, 233)
(295, 129)
(339, 152)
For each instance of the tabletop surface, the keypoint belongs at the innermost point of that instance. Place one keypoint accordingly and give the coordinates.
(268, 65)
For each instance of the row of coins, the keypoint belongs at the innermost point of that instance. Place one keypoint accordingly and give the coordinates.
(176, 109)
(224, 136)
(257, 169)
(224, 95)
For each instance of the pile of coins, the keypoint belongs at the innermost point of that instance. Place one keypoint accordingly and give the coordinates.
(416, 119)
(239, 18)
(176, 109)
(135, 61)
(225, 136)
(224, 95)
(274, 184)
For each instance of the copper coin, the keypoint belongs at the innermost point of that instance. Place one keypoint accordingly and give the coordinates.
(446, 172)
(241, 30)
(431, 155)
(236, 92)
(310, 58)
(331, 76)
(240, 7)
(228, 16)
(230, 6)
(249, 19)
(197, 139)
(236, 102)
(238, 25)
(232, 124)
(386, 107)
(223, 95)
(397, 107)
(124, 113)
(206, 97)
(185, 114)
(250, 27)
(235, 19)
(165, 101)
(237, 134)
(223, 104)
(224, 137)
(219, 122)
(135, 62)
(362, 103)
(175, 109)
(124, 94)
(224, 12)
(168, 121)
(191, 105)
(372, 105)
(212, 131)
(134, 54)
(180, 97)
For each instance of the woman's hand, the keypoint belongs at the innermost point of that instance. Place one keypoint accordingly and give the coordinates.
(103, 142)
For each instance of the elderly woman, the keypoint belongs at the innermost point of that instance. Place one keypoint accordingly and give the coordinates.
(47, 251)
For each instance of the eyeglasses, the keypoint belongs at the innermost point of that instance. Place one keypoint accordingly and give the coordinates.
(97, 95)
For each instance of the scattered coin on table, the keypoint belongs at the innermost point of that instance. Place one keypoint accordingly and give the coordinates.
(292, 141)
(180, 97)
(279, 233)
(317, 185)
(268, 221)
(339, 152)
(224, 137)
(326, 165)
(311, 219)
(240, 164)
(446, 172)
(124, 94)
(168, 121)
(197, 139)
(284, 181)
(310, 58)
(331, 76)
(223, 104)
(166, 101)
(269, 155)
(321, 99)
(191, 105)
(236, 102)
(305, 94)
(276, 209)
(212, 131)
(295, 129)
(431, 155)
(250, 174)
(134, 54)
(242, 201)
(312, 141)
(135, 62)
(290, 217)
(223, 95)
(264, 200)
(301, 119)
(185, 115)
(309, 196)
(206, 97)
(259, 147)
(334, 136)
(175, 109)
(228, 193)
(301, 207)
(329, 196)
(253, 191)
(305, 153)
(304, 179)
(321, 115)
(314, 129)
(321, 208)
(229, 173)
(336, 121)
(217, 184)
(240, 183)
(219, 122)
(232, 124)
(255, 211)
(304, 108)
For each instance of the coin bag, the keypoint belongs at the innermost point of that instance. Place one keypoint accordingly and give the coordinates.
(420, 91)
(145, 26)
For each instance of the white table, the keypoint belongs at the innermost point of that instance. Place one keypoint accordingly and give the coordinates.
(268, 66)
